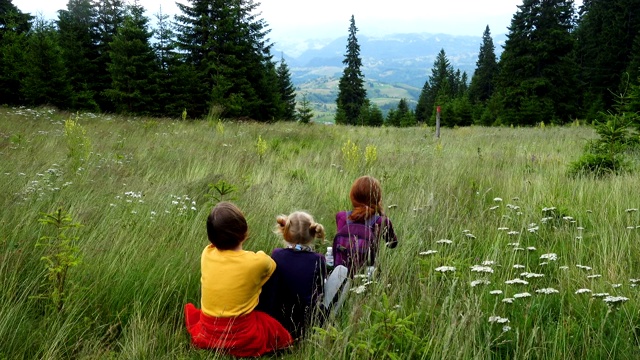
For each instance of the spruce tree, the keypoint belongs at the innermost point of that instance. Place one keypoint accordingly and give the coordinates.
(79, 52)
(351, 92)
(14, 26)
(132, 65)
(481, 87)
(109, 18)
(305, 112)
(287, 91)
(225, 42)
(605, 36)
(537, 80)
(45, 81)
(438, 88)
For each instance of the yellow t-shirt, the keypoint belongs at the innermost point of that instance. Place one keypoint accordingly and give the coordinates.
(232, 280)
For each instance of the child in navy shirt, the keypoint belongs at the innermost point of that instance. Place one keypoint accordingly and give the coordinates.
(295, 294)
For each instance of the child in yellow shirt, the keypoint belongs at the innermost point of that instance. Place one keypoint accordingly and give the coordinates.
(231, 282)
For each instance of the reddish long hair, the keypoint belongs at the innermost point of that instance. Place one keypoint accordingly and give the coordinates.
(366, 198)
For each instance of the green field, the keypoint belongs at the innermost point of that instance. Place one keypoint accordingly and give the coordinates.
(141, 189)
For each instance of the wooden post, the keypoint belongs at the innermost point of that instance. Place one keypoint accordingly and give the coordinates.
(438, 122)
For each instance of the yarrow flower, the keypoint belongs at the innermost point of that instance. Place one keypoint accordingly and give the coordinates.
(529, 275)
(600, 295)
(593, 276)
(513, 232)
(506, 328)
(444, 241)
(583, 291)
(516, 281)
(583, 267)
(495, 292)
(615, 300)
(521, 295)
(488, 262)
(518, 266)
(547, 291)
(503, 228)
(484, 269)
(497, 199)
(550, 256)
(445, 269)
(475, 283)
(428, 252)
(508, 300)
(498, 319)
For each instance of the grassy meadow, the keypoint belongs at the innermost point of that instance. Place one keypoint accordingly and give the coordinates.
(501, 254)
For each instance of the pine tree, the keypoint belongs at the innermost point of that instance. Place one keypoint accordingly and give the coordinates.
(14, 26)
(481, 87)
(77, 41)
(45, 81)
(287, 91)
(537, 80)
(133, 65)
(351, 91)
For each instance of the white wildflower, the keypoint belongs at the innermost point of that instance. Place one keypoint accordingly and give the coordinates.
(516, 281)
(470, 235)
(483, 269)
(497, 199)
(613, 300)
(506, 328)
(518, 266)
(529, 275)
(563, 267)
(550, 256)
(503, 228)
(583, 291)
(616, 285)
(444, 241)
(531, 248)
(513, 232)
(547, 209)
(583, 267)
(494, 207)
(428, 252)
(360, 289)
(513, 244)
(521, 295)
(547, 291)
(488, 263)
(498, 319)
(600, 295)
(594, 276)
(445, 269)
(475, 283)
(495, 292)
(533, 229)
(508, 300)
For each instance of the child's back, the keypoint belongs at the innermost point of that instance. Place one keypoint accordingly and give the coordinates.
(231, 281)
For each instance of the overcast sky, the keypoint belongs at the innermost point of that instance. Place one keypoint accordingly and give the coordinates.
(314, 19)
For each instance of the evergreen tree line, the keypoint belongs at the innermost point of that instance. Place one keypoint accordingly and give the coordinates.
(557, 65)
(213, 58)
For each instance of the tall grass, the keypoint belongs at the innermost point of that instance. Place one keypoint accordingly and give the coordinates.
(143, 193)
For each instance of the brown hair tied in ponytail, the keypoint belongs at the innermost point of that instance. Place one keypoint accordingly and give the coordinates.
(366, 198)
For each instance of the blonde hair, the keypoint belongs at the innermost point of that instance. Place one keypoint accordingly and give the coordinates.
(298, 228)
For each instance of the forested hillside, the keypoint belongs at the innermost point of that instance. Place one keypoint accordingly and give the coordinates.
(214, 58)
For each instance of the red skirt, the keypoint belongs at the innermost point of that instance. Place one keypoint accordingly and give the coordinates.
(250, 335)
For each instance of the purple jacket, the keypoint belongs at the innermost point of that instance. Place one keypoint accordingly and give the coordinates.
(383, 223)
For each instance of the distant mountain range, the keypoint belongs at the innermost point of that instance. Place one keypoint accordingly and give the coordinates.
(396, 58)
(394, 66)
